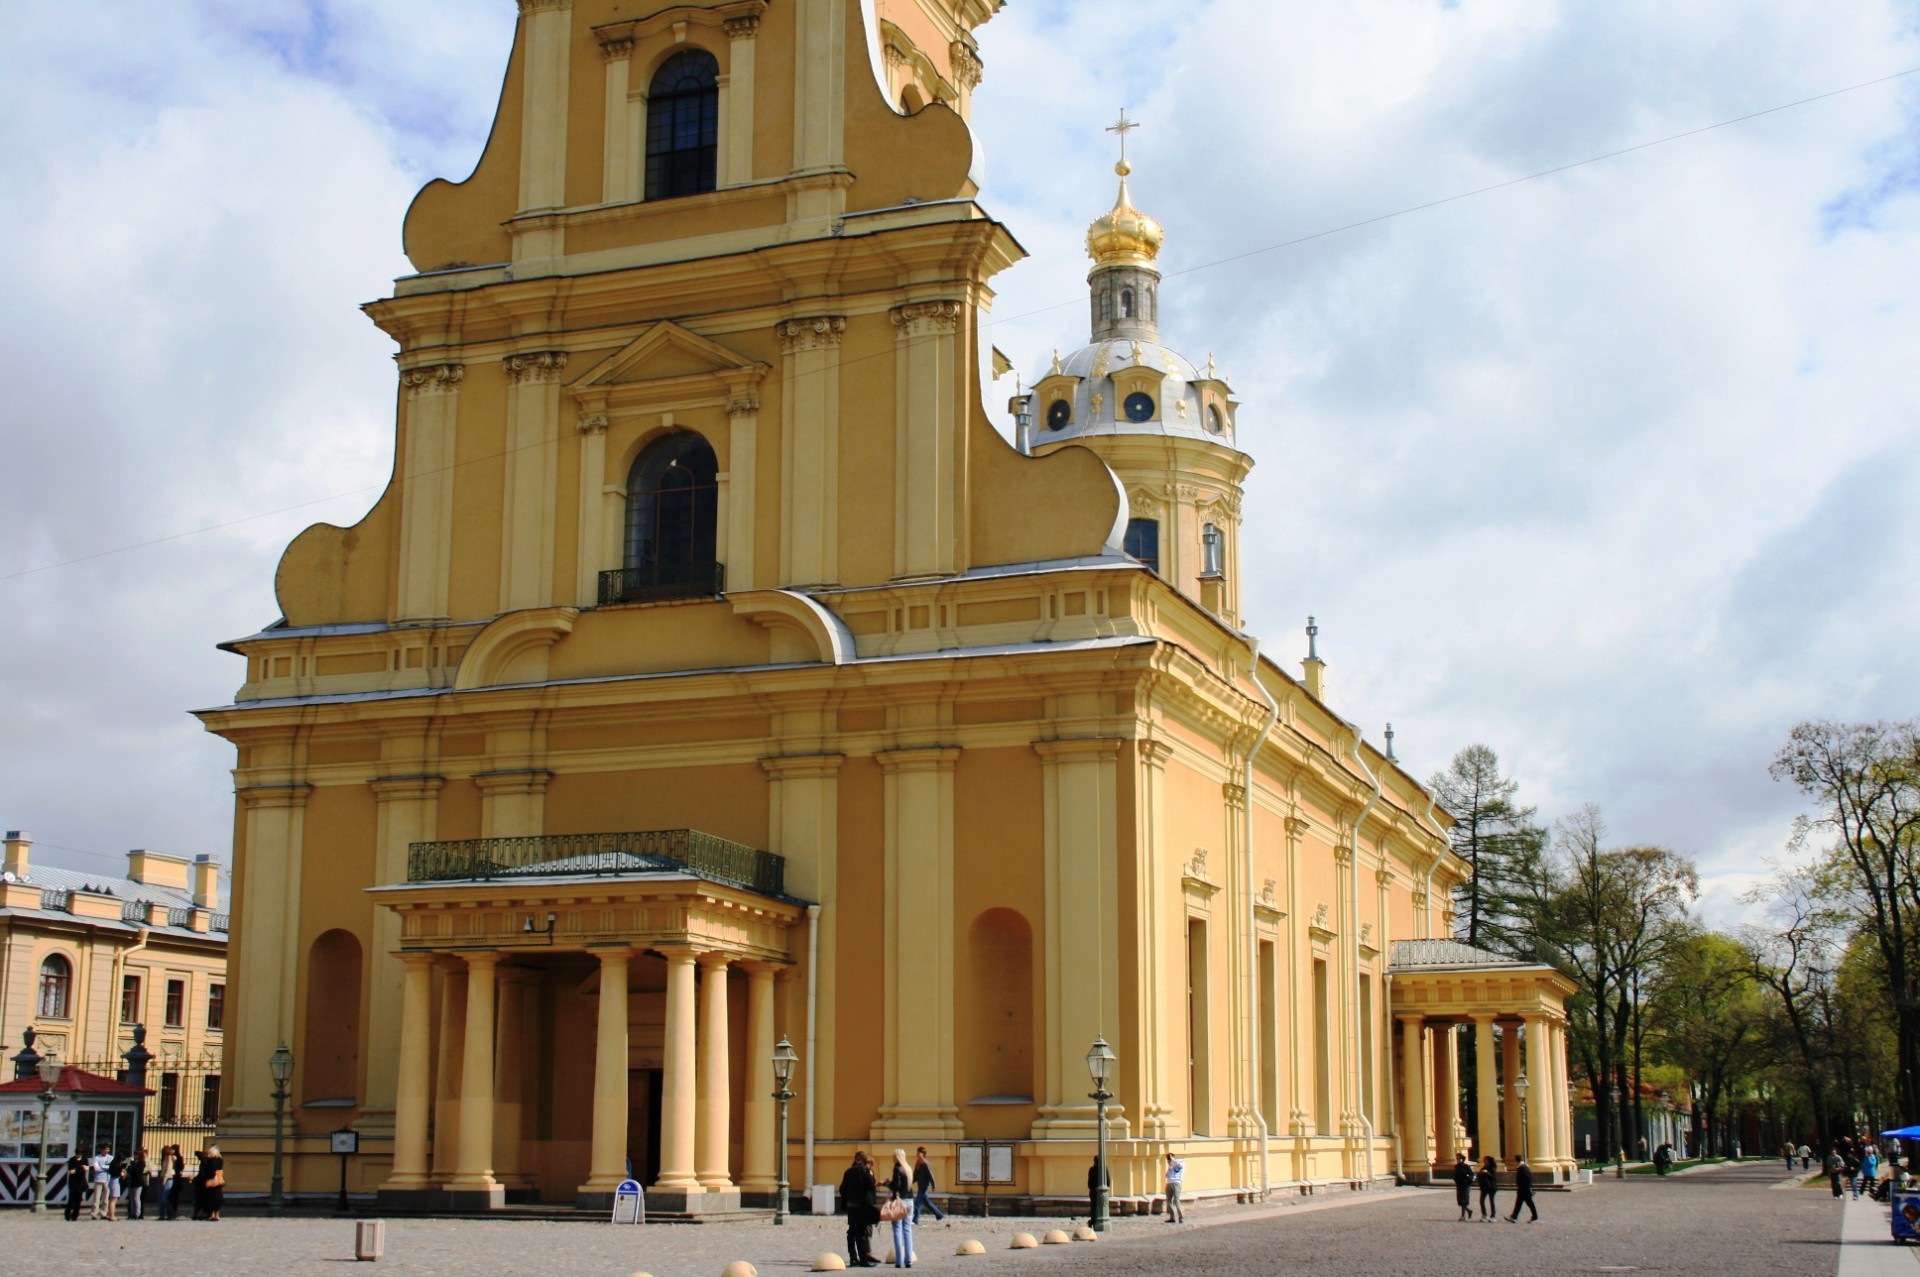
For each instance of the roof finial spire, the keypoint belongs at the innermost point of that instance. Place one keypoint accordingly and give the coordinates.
(1124, 127)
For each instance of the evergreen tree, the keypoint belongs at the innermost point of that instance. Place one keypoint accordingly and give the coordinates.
(1498, 839)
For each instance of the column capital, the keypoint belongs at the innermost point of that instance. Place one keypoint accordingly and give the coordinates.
(388, 789)
(1484, 1017)
(482, 959)
(1154, 753)
(744, 27)
(1410, 1017)
(615, 47)
(803, 766)
(920, 758)
(923, 319)
(1079, 748)
(535, 367)
(715, 958)
(672, 952)
(761, 967)
(592, 423)
(294, 795)
(612, 955)
(818, 332)
(524, 780)
(418, 958)
(1235, 793)
(433, 379)
(1297, 827)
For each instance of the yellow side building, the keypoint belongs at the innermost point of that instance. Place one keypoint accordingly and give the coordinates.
(712, 672)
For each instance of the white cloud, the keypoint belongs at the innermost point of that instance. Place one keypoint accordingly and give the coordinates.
(1606, 469)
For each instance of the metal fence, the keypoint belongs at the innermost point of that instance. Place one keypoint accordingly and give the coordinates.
(646, 851)
(185, 1103)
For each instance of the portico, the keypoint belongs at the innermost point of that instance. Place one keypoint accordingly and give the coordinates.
(584, 1028)
(1517, 1015)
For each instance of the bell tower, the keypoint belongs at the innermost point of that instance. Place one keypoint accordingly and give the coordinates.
(1166, 427)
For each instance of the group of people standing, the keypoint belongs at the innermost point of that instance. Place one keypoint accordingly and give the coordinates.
(150, 1187)
(1486, 1179)
(1850, 1163)
(910, 1194)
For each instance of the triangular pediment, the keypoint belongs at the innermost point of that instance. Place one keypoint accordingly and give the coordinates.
(666, 351)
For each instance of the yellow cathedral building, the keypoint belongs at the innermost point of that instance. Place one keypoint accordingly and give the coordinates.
(712, 672)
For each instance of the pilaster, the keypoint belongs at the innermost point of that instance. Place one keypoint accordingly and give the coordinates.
(741, 485)
(531, 466)
(929, 481)
(918, 1088)
(737, 109)
(519, 989)
(264, 983)
(591, 537)
(513, 802)
(406, 811)
(1082, 928)
(429, 417)
(804, 830)
(1161, 943)
(620, 162)
(543, 105)
(810, 449)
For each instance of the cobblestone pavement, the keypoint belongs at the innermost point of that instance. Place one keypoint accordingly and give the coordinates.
(1728, 1222)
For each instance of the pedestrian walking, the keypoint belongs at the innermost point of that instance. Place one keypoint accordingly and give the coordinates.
(1806, 1156)
(923, 1187)
(1463, 1187)
(1836, 1167)
(898, 1213)
(1787, 1152)
(1851, 1164)
(1176, 1176)
(859, 1198)
(176, 1183)
(1523, 1193)
(1488, 1182)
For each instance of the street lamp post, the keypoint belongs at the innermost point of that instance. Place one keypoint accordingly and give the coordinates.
(1100, 1065)
(49, 1070)
(783, 1061)
(1619, 1149)
(280, 1064)
(1520, 1089)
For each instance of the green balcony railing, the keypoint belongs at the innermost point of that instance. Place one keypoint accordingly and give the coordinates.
(647, 851)
(662, 582)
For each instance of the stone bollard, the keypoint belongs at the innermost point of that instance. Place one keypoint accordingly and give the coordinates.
(1023, 1241)
(369, 1239)
(828, 1262)
(1055, 1237)
(739, 1268)
(970, 1247)
(1085, 1234)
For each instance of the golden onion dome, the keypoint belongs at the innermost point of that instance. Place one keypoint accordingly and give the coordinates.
(1124, 236)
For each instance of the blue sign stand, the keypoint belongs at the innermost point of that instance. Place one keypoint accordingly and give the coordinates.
(629, 1203)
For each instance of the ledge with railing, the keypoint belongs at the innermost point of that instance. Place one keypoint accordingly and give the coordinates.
(611, 854)
(662, 582)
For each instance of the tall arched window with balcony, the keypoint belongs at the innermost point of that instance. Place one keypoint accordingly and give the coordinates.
(673, 500)
(683, 126)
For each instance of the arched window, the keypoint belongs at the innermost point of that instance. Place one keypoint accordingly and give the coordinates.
(56, 987)
(673, 497)
(1143, 541)
(683, 126)
(1126, 303)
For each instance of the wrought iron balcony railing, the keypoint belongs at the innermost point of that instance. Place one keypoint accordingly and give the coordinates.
(654, 584)
(649, 851)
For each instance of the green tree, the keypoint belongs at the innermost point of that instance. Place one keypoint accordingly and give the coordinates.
(1496, 837)
(1864, 779)
(1708, 1013)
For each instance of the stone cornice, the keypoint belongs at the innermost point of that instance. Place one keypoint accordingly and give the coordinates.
(819, 332)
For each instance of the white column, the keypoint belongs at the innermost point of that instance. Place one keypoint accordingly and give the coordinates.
(716, 1084)
(448, 1088)
(757, 1154)
(678, 1087)
(607, 1159)
(413, 1095)
(1413, 1096)
(474, 1173)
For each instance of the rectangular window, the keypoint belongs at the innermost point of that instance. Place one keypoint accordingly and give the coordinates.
(169, 1097)
(209, 1098)
(216, 1005)
(176, 1004)
(130, 999)
(1143, 541)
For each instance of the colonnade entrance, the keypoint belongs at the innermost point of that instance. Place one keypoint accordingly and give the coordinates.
(1515, 1015)
(554, 1043)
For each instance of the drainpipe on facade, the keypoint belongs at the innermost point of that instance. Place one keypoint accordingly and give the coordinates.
(1353, 938)
(1253, 935)
(1393, 1083)
(113, 993)
(813, 1036)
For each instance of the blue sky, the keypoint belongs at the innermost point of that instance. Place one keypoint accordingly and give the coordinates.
(1608, 470)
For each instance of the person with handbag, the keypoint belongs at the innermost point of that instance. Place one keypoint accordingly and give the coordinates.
(897, 1212)
(209, 1193)
(859, 1199)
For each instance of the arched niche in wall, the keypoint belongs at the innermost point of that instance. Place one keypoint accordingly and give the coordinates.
(328, 1066)
(999, 1058)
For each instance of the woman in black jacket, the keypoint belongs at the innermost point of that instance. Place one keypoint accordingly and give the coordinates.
(859, 1197)
(1488, 1182)
(1463, 1186)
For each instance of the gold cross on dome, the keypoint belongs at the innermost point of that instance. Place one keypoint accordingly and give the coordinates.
(1124, 127)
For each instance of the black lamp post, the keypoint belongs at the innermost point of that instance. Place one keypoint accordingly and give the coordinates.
(49, 1069)
(1520, 1089)
(281, 1066)
(1100, 1066)
(783, 1061)
(1619, 1148)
